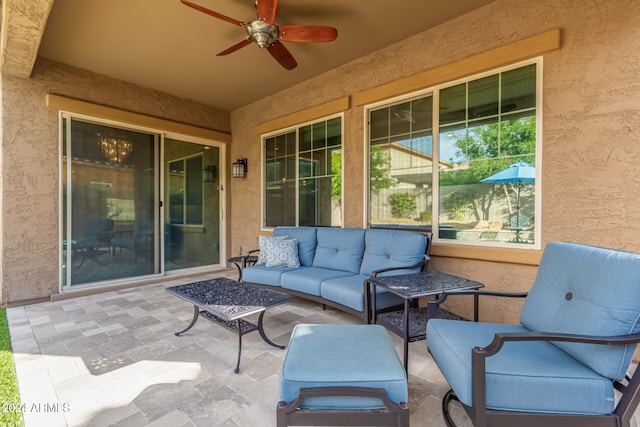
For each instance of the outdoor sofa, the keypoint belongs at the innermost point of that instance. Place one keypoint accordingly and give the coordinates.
(331, 265)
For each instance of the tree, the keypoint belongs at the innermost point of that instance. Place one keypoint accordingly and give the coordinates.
(488, 149)
(379, 165)
(403, 205)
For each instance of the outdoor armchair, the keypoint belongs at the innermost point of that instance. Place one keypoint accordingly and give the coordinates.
(567, 362)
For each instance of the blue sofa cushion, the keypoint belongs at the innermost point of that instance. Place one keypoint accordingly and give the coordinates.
(340, 249)
(392, 248)
(587, 290)
(306, 237)
(260, 273)
(534, 376)
(349, 291)
(308, 279)
(342, 355)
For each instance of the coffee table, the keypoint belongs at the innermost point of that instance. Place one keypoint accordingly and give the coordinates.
(411, 323)
(226, 302)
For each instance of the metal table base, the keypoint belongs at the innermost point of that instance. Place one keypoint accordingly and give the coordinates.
(238, 326)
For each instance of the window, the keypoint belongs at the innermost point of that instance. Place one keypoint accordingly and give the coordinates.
(303, 176)
(486, 132)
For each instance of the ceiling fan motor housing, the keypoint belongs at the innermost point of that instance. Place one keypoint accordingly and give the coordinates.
(260, 32)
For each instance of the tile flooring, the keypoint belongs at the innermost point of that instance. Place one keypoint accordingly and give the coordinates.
(112, 359)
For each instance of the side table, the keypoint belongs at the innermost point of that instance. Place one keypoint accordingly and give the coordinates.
(411, 323)
(242, 261)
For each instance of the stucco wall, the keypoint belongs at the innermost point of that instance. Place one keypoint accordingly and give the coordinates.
(591, 126)
(30, 164)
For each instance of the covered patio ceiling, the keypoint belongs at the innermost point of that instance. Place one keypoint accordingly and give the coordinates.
(167, 46)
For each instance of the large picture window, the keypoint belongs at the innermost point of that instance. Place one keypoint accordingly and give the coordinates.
(303, 176)
(484, 188)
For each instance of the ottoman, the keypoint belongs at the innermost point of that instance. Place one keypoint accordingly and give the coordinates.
(335, 373)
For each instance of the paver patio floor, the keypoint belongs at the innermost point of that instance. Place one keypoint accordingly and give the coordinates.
(112, 359)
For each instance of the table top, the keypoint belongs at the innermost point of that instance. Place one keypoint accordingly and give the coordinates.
(241, 258)
(227, 298)
(416, 285)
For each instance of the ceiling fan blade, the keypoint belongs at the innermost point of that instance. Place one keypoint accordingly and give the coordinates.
(267, 10)
(237, 46)
(282, 55)
(212, 13)
(307, 33)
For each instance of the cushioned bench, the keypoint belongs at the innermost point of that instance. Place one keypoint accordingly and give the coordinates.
(333, 373)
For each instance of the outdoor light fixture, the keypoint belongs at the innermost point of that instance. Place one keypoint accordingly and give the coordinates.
(240, 168)
(209, 173)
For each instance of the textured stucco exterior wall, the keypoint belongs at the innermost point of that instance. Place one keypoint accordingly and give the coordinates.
(591, 126)
(30, 164)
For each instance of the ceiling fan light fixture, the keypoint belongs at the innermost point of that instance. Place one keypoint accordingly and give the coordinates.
(261, 34)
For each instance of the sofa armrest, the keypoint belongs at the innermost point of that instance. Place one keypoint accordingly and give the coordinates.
(422, 265)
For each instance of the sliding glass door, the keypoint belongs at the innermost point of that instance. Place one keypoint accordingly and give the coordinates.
(192, 209)
(135, 203)
(109, 200)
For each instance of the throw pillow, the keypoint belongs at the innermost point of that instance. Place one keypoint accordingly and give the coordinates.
(284, 253)
(265, 246)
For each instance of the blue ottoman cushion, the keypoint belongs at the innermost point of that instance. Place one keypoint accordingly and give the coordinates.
(342, 355)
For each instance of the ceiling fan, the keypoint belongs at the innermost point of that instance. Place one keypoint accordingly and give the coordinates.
(266, 34)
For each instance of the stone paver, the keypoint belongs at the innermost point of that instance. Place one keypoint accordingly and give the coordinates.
(112, 359)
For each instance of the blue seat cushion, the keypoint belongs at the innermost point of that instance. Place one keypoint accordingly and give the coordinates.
(587, 290)
(340, 249)
(349, 291)
(534, 376)
(306, 237)
(342, 355)
(308, 279)
(260, 273)
(392, 248)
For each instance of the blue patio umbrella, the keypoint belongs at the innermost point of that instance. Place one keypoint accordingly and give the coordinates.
(516, 173)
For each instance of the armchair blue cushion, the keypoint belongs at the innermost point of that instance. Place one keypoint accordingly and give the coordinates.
(587, 290)
(578, 332)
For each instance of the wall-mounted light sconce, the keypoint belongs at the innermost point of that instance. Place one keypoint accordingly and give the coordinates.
(240, 168)
(209, 173)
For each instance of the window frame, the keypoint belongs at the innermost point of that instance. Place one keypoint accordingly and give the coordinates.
(434, 92)
(296, 130)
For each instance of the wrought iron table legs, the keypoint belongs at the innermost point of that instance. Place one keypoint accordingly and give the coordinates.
(239, 326)
(196, 312)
